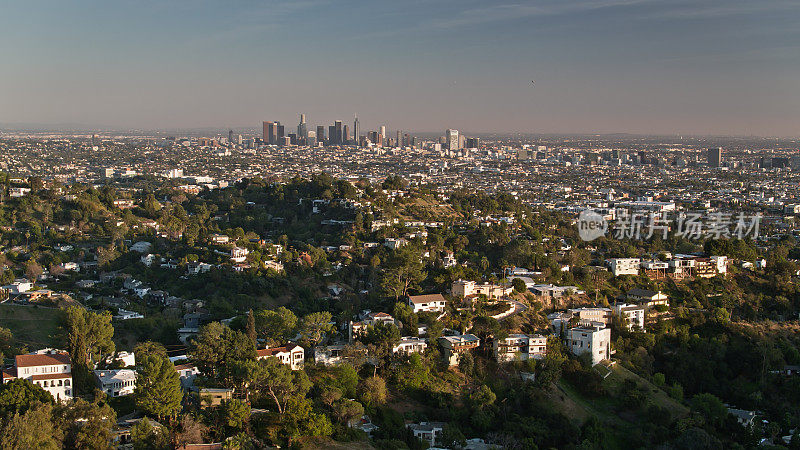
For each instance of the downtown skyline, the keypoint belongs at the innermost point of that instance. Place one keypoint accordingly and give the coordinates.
(613, 66)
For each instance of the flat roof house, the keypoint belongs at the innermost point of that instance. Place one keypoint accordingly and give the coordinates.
(454, 346)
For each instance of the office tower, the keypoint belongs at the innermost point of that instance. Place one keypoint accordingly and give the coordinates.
(345, 134)
(714, 156)
(462, 141)
(451, 139)
(372, 136)
(397, 140)
(292, 138)
(267, 127)
(230, 137)
(239, 139)
(302, 128)
(332, 135)
(280, 132)
(383, 133)
(356, 129)
(311, 139)
(320, 133)
(339, 132)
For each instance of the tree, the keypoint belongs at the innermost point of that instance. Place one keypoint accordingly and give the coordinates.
(482, 398)
(403, 270)
(217, 349)
(277, 325)
(235, 414)
(301, 420)
(452, 437)
(710, 407)
(250, 329)
(347, 410)
(32, 270)
(86, 425)
(32, 430)
(519, 285)
(158, 387)
(7, 349)
(372, 391)
(146, 348)
(280, 383)
(18, 396)
(314, 326)
(89, 335)
(147, 436)
(189, 431)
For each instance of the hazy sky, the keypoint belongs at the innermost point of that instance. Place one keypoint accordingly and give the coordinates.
(642, 66)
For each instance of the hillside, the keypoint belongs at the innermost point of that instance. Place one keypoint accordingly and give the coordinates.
(622, 410)
(32, 326)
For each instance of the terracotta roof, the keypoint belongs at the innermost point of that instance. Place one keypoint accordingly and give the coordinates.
(9, 373)
(51, 376)
(427, 298)
(42, 360)
(265, 352)
(184, 366)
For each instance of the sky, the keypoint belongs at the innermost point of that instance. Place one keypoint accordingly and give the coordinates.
(688, 67)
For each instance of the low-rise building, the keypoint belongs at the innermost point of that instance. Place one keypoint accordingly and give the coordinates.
(624, 266)
(464, 288)
(454, 346)
(48, 368)
(520, 347)
(631, 315)
(427, 303)
(647, 297)
(328, 355)
(553, 291)
(408, 345)
(116, 383)
(593, 339)
(429, 432)
(290, 354)
(369, 319)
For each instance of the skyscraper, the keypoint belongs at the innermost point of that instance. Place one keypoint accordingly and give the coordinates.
(383, 133)
(339, 132)
(356, 129)
(451, 139)
(714, 156)
(265, 136)
(302, 128)
(230, 137)
(280, 134)
(399, 140)
(320, 133)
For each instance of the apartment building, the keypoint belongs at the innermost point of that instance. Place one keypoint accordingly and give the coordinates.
(593, 339)
(520, 347)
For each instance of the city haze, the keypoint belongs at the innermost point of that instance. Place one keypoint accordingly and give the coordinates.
(637, 66)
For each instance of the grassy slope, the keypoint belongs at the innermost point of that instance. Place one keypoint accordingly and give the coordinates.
(32, 326)
(572, 403)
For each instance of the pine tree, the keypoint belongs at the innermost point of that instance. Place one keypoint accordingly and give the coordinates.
(158, 387)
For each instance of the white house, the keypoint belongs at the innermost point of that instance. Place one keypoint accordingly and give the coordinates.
(520, 347)
(593, 339)
(141, 247)
(290, 354)
(193, 268)
(219, 238)
(18, 286)
(408, 345)
(148, 259)
(553, 291)
(239, 254)
(328, 355)
(48, 368)
(18, 191)
(126, 359)
(427, 303)
(624, 266)
(187, 373)
(124, 314)
(631, 315)
(116, 383)
(427, 431)
(369, 319)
